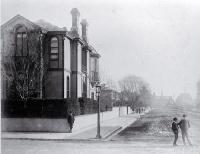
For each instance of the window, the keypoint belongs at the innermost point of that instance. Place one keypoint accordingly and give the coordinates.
(84, 86)
(68, 86)
(94, 64)
(92, 95)
(84, 61)
(54, 53)
(21, 42)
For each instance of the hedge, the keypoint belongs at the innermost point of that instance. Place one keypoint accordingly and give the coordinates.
(46, 108)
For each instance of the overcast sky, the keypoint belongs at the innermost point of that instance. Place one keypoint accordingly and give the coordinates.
(158, 40)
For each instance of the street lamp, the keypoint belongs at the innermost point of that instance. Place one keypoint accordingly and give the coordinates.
(98, 91)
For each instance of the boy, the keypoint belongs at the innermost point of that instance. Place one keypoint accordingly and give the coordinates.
(175, 130)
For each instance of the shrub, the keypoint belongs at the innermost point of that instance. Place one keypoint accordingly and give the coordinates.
(39, 108)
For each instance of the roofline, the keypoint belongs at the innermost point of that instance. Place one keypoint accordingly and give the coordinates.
(57, 32)
(94, 51)
(96, 55)
(15, 17)
(68, 36)
(35, 24)
(79, 40)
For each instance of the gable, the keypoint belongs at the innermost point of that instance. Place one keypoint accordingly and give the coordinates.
(17, 21)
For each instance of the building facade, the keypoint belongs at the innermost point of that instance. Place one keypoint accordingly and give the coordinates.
(67, 65)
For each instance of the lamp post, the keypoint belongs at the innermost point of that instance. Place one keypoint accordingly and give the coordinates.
(98, 90)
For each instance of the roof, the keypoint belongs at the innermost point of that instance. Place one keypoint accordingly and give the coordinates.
(94, 52)
(17, 17)
(48, 26)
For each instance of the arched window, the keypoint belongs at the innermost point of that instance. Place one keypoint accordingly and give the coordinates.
(54, 52)
(21, 41)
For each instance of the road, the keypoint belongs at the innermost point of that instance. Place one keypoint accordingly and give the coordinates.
(155, 127)
(151, 134)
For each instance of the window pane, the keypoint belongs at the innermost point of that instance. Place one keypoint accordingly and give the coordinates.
(54, 50)
(19, 45)
(24, 35)
(54, 39)
(54, 42)
(54, 53)
(19, 35)
(25, 50)
(54, 56)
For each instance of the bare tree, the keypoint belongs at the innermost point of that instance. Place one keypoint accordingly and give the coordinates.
(134, 89)
(122, 91)
(24, 73)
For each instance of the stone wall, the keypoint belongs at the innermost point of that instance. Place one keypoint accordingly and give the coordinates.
(34, 125)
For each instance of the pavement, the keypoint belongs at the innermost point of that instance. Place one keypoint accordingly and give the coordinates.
(85, 127)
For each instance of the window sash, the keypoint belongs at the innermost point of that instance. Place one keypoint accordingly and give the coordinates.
(54, 56)
(54, 53)
(21, 44)
(54, 50)
(54, 44)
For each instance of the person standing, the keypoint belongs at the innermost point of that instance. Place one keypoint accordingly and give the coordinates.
(175, 130)
(184, 126)
(70, 120)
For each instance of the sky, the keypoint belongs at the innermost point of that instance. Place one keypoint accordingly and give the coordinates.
(158, 40)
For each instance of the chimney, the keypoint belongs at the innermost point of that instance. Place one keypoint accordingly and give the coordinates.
(75, 20)
(84, 25)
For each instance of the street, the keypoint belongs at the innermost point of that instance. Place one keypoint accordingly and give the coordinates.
(100, 77)
(155, 127)
(150, 134)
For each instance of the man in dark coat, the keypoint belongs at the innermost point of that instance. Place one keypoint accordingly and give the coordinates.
(175, 130)
(70, 120)
(185, 125)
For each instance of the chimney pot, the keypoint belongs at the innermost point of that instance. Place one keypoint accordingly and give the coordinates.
(84, 22)
(84, 25)
(75, 11)
(75, 20)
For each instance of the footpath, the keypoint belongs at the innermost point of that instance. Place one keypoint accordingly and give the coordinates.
(85, 127)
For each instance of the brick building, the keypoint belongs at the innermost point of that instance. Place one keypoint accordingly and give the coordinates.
(71, 63)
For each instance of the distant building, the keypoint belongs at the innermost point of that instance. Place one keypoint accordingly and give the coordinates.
(72, 63)
(161, 100)
(109, 97)
(184, 99)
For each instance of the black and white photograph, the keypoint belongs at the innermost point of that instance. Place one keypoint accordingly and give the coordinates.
(100, 76)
